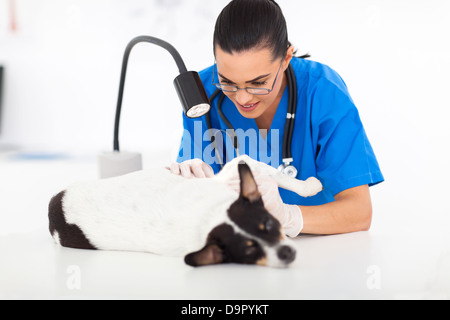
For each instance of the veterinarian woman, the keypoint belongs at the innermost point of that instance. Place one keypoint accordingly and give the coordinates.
(328, 141)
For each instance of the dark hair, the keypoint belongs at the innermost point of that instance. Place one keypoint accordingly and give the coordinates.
(252, 24)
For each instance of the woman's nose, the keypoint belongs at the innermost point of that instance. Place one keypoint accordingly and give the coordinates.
(243, 97)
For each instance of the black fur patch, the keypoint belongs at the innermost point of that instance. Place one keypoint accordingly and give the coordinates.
(254, 219)
(70, 235)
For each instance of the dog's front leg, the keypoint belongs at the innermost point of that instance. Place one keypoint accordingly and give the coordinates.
(307, 188)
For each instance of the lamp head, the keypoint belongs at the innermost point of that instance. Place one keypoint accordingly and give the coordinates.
(192, 94)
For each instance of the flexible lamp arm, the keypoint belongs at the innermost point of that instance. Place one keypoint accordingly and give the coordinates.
(179, 61)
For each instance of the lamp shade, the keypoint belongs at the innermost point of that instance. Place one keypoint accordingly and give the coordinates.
(192, 94)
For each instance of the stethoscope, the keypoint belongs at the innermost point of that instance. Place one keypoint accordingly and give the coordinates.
(287, 168)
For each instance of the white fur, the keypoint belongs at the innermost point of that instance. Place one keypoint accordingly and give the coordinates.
(55, 236)
(151, 211)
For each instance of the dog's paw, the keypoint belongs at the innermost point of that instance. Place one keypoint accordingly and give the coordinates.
(314, 186)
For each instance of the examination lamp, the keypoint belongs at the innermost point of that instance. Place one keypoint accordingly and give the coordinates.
(190, 91)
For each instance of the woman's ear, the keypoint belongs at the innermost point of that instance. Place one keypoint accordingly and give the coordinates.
(288, 58)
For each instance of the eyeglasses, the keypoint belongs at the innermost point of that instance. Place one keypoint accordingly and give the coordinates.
(253, 91)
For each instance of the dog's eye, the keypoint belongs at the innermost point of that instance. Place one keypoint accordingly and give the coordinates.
(266, 226)
(269, 225)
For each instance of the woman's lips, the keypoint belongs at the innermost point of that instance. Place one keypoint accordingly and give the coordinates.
(248, 107)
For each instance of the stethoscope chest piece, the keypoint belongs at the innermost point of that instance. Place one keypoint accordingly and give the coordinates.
(288, 170)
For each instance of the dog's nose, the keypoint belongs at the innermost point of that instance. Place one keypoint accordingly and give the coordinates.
(286, 254)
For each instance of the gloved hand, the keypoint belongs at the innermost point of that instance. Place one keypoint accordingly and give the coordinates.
(194, 168)
(289, 216)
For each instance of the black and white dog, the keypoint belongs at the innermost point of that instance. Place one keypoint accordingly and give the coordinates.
(158, 212)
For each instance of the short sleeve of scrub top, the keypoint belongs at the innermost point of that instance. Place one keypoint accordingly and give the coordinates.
(329, 141)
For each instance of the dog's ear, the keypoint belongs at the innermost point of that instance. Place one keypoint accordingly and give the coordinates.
(210, 254)
(249, 188)
(213, 252)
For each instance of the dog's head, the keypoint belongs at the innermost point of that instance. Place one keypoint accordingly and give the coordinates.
(251, 236)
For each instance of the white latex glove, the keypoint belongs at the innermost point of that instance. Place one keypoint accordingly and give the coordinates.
(289, 216)
(194, 168)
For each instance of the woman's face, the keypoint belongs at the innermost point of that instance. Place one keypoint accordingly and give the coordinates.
(253, 69)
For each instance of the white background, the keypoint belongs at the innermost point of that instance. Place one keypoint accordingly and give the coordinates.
(63, 67)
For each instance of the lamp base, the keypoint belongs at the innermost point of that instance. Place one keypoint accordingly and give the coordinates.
(114, 164)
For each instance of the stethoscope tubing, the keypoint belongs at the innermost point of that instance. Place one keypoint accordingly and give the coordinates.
(290, 117)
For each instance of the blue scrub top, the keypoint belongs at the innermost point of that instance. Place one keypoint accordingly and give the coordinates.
(329, 141)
